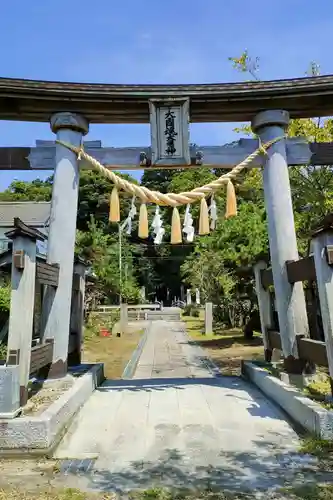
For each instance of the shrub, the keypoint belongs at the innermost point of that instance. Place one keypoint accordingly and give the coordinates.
(97, 320)
(191, 310)
(195, 312)
(4, 297)
(3, 350)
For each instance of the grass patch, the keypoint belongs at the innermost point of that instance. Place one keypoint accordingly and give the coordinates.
(162, 494)
(319, 390)
(51, 494)
(317, 447)
(322, 450)
(113, 351)
(306, 492)
(311, 492)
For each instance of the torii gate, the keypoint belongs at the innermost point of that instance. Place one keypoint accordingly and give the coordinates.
(70, 107)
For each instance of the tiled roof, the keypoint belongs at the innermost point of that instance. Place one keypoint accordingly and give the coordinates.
(32, 213)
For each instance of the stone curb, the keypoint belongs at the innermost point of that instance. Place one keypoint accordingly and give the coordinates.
(39, 435)
(308, 414)
(133, 362)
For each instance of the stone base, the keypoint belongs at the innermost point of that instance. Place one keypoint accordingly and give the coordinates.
(10, 415)
(307, 413)
(276, 356)
(9, 391)
(38, 435)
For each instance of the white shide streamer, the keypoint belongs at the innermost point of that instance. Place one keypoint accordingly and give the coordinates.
(188, 228)
(157, 226)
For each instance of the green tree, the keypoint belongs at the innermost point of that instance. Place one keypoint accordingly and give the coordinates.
(36, 190)
(217, 259)
(312, 186)
(102, 251)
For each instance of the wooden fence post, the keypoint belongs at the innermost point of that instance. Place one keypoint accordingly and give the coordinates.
(265, 307)
(123, 318)
(208, 318)
(77, 312)
(322, 248)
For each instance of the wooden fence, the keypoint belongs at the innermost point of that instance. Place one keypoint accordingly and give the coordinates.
(316, 273)
(26, 346)
(309, 349)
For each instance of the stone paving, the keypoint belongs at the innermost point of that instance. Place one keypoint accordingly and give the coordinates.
(179, 423)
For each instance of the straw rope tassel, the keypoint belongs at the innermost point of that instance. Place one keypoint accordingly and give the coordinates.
(114, 214)
(176, 228)
(231, 203)
(143, 222)
(204, 217)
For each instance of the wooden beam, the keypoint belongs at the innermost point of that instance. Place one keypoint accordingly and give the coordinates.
(35, 100)
(41, 356)
(321, 153)
(266, 277)
(47, 274)
(301, 270)
(308, 349)
(274, 339)
(226, 156)
(312, 350)
(42, 157)
(298, 270)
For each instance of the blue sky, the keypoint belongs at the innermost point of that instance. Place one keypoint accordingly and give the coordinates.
(150, 41)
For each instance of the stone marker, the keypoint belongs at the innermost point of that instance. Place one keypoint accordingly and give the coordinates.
(123, 318)
(209, 318)
(188, 297)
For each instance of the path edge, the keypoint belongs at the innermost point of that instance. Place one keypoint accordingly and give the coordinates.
(209, 363)
(310, 415)
(132, 364)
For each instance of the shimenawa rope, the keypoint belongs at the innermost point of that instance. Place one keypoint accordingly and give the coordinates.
(169, 199)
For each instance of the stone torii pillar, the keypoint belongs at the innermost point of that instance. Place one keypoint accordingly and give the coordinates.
(69, 128)
(290, 300)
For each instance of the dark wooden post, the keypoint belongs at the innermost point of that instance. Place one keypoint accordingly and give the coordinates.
(265, 307)
(77, 313)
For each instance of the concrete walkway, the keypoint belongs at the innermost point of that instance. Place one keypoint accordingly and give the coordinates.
(177, 423)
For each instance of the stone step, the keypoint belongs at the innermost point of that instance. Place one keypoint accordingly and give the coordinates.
(152, 316)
